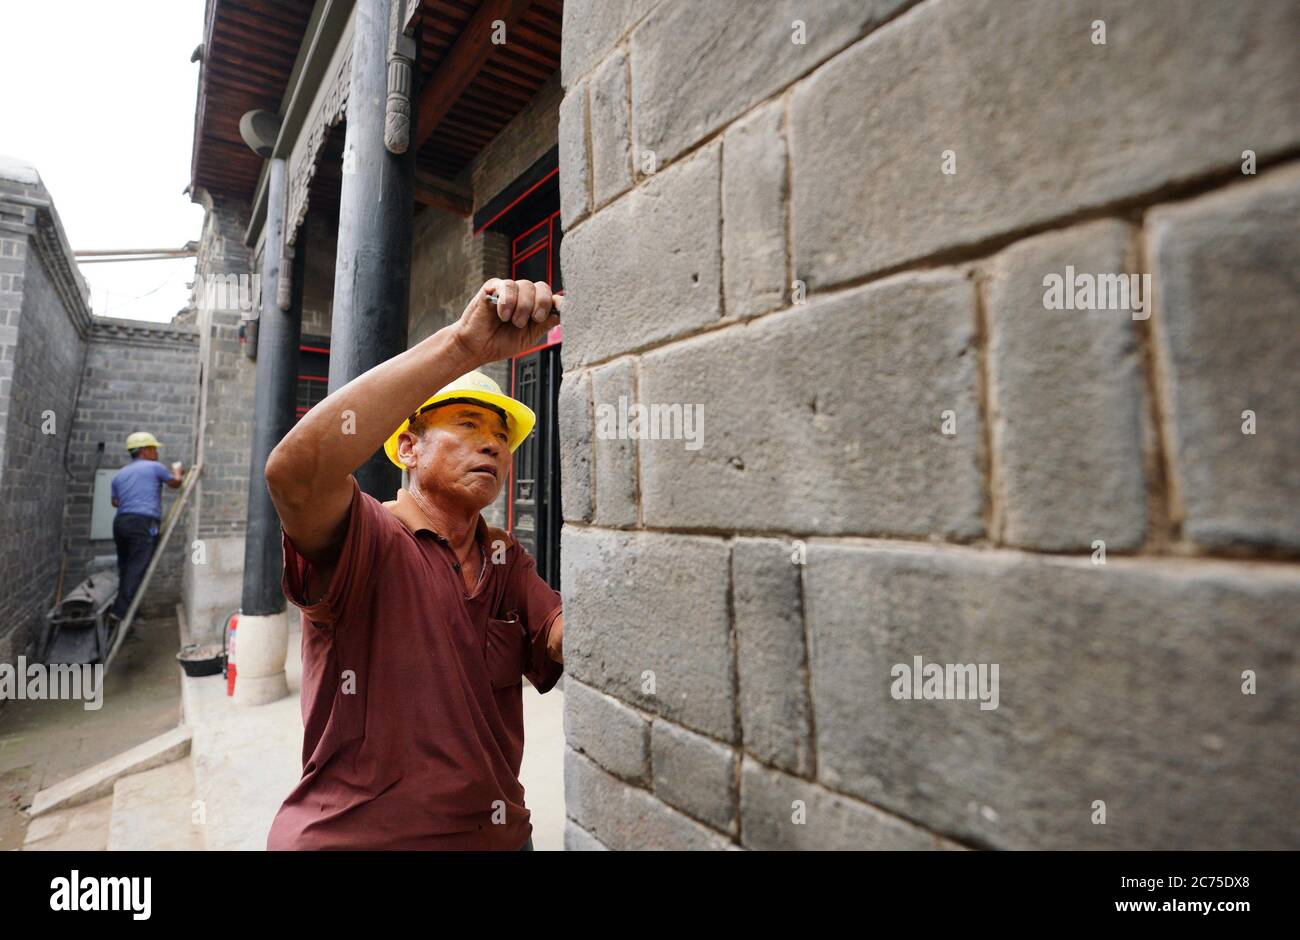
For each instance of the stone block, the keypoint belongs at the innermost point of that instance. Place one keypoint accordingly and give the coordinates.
(826, 418)
(608, 731)
(575, 168)
(784, 813)
(647, 267)
(577, 839)
(698, 66)
(1226, 291)
(1117, 684)
(1068, 399)
(1042, 122)
(755, 185)
(771, 655)
(646, 620)
(611, 138)
(591, 29)
(613, 388)
(695, 774)
(628, 818)
(575, 420)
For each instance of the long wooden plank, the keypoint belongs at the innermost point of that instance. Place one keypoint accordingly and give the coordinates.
(173, 516)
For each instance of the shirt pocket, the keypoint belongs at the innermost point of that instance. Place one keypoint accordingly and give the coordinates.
(504, 651)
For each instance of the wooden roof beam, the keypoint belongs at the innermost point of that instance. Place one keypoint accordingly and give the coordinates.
(430, 190)
(462, 64)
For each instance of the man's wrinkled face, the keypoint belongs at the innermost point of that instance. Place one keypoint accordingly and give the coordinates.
(459, 451)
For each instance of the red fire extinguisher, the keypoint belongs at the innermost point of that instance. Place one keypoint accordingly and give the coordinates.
(231, 624)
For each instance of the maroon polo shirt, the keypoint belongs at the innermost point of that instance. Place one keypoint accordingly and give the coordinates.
(412, 701)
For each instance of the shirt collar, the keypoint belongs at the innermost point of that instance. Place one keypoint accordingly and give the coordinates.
(409, 513)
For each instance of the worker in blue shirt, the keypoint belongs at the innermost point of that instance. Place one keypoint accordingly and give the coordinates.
(137, 496)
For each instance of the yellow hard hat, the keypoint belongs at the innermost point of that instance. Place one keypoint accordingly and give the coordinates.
(141, 439)
(477, 386)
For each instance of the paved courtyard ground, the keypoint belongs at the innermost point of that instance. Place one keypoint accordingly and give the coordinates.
(43, 742)
(243, 760)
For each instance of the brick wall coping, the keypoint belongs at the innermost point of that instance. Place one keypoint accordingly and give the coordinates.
(143, 332)
(28, 210)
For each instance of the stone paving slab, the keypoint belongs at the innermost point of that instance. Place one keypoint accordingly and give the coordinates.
(246, 759)
(81, 828)
(155, 811)
(98, 781)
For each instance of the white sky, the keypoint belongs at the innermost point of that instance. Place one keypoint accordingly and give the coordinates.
(99, 95)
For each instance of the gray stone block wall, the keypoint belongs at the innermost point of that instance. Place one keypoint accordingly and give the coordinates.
(1229, 266)
(841, 251)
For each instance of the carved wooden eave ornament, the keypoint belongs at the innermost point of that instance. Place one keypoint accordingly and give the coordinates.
(401, 58)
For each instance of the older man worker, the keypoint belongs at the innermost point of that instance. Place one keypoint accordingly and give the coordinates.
(419, 621)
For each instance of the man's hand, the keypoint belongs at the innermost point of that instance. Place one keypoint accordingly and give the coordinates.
(490, 331)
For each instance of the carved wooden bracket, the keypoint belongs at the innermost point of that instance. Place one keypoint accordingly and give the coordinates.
(401, 56)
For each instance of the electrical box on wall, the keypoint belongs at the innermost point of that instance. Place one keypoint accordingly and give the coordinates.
(102, 511)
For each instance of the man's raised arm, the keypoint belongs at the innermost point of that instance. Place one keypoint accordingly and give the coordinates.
(308, 472)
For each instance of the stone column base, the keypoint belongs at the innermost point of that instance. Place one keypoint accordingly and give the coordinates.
(261, 643)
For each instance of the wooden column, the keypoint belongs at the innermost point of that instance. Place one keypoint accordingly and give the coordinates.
(373, 271)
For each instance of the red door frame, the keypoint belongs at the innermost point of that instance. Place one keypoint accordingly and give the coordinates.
(553, 338)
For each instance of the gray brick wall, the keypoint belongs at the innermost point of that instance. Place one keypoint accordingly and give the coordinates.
(531, 133)
(46, 360)
(226, 395)
(839, 248)
(213, 589)
(138, 377)
(13, 262)
(70, 382)
(44, 321)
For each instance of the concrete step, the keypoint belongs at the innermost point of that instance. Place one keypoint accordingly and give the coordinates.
(157, 811)
(81, 828)
(98, 781)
